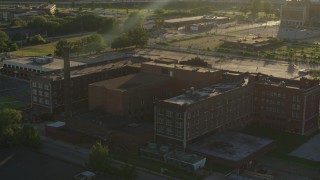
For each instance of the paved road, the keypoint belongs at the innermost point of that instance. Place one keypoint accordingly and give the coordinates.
(79, 155)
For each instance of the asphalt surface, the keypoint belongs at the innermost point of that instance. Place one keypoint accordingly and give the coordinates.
(15, 88)
(27, 164)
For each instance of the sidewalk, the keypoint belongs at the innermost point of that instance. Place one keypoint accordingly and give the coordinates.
(78, 155)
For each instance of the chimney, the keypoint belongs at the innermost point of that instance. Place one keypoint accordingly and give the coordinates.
(67, 88)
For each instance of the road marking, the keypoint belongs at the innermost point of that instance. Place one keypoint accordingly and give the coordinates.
(6, 160)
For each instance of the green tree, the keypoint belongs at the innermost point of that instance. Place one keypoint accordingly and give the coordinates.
(138, 36)
(37, 39)
(60, 47)
(267, 7)
(95, 43)
(244, 10)
(99, 158)
(73, 4)
(121, 42)
(29, 136)
(4, 39)
(38, 22)
(93, 5)
(18, 23)
(255, 7)
(10, 120)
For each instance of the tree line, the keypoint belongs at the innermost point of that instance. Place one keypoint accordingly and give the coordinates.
(67, 25)
(93, 43)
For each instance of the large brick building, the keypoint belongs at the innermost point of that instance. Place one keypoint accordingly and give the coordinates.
(287, 105)
(135, 94)
(47, 90)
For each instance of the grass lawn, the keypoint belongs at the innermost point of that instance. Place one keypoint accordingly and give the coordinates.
(197, 42)
(42, 49)
(285, 143)
(9, 102)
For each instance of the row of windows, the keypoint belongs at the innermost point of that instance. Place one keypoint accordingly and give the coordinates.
(40, 93)
(170, 114)
(40, 100)
(170, 131)
(22, 68)
(40, 85)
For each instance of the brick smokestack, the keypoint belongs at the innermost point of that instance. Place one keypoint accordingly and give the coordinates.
(67, 87)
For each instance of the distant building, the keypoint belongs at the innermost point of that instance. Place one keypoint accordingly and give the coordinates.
(295, 12)
(25, 67)
(249, 43)
(194, 20)
(26, 12)
(299, 13)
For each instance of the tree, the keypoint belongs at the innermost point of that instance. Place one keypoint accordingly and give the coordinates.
(60, 47)
(121, 42)
(18, 23)
(93, 5)
(10, 120)
(95, 43)
(73, 4)
(29, 136)
(244, 10)
(99, 158)
(255, 7)
(267, 7)
(6, 44)
(138, 36)
(37, 39)
(38, 22)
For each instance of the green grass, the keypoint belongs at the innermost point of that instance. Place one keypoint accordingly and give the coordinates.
(42, 49)
(285, 143)
(9, 102)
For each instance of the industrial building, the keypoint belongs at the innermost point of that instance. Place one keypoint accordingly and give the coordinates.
(298, 13)
(25, 67)
(287, 105)
(135, 94)
(47, 90)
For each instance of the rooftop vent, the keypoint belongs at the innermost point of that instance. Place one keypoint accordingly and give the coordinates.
(42, 60)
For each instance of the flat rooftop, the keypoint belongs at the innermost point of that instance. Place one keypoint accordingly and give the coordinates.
(125, 83)
(185, 157)
(193, 96)
(56, 64)
(194, 18)
(182, 67)
(232, 146)
(91, 68)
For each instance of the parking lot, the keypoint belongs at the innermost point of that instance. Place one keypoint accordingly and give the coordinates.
(14, 93)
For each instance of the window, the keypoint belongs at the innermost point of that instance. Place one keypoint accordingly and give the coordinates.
(189, 115)
(47, 102)
(46, 94)
(41, 100)
(40, 93)
(179, 133)
(178, 124)
(160, 120)
(34, 84)
(35, 99)
(34, 91)
(40, 85)
(169, 131)
(169, 113)
(179, 115)
(46, 87)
